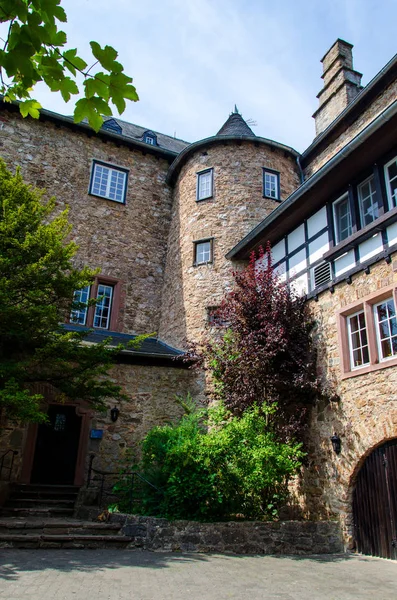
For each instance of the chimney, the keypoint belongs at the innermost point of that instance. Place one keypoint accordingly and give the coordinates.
(341, 84)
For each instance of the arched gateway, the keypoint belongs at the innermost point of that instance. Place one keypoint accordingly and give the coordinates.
(375, 503)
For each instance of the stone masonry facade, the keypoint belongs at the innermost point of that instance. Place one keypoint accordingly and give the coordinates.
(146, 247)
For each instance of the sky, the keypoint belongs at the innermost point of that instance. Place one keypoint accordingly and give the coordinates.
(193, 60)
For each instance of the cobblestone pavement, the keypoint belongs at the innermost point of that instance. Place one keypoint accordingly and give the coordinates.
(139, 575)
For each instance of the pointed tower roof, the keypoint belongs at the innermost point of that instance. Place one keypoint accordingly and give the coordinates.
(235, 125)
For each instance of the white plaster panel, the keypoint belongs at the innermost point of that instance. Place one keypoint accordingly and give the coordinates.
(392, 234)
(297, 263)
(344, 263)
(300, 285)
(296, 238)
(318, 247)
(370, 247)
(317, 222)
(278, 251)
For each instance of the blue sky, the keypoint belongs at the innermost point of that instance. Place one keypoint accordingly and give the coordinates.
(192, 60)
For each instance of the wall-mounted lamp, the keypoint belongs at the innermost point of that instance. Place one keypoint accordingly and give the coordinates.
(114, 414)
(336, 443)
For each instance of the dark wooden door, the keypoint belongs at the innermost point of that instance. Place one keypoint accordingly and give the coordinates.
(375, 503)
(57, 446)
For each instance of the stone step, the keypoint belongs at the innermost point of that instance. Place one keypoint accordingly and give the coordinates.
(36, 512)
(43, 495)
(56, 527)
(44, 487)
(39, 503)
(63, 541)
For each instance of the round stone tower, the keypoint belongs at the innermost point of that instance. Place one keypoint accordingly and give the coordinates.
(223, 186)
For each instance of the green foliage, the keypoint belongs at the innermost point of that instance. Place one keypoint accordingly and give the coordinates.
(38, 279)
(212, 465)
(35, 50)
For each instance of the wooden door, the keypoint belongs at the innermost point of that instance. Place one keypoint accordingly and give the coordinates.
(375, 503)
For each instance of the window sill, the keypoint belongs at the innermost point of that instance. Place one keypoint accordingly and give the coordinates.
(390, 362)
(206, 198)
(106, 198)
(271, 198)
(208, 262)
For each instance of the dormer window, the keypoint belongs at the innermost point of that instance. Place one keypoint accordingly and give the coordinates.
(150, 138)
(112, 125)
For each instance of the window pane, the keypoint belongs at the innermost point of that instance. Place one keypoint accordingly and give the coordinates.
(392, 182)
(79, 315)
(343, 222)
(203, 252)
(368, 202)
(386, 327)
(204, 185)
(270, 184)
(102, 308)
(108, 183)
(358, 343)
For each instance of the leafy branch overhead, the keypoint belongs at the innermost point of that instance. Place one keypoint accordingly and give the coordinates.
(35, 50)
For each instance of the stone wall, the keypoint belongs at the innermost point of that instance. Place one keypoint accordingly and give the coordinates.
(151, 392)
(385, 99)
(283, 537)
(236, 207)
(127, 242)
(365, 416)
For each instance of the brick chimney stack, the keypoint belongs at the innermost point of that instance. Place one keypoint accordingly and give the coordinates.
(341, 84)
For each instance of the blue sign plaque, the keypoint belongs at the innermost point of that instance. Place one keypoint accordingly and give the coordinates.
(96, 434)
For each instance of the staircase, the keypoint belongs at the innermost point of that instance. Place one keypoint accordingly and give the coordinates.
(41, 516)
(37, 500)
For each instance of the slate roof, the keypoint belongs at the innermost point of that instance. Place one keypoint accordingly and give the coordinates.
(136, 132)
(150, 347)
(235, 125)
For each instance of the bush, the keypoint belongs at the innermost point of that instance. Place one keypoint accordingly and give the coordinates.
(212, 465)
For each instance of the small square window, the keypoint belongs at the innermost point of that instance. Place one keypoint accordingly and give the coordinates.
(205, 184)
(342, 219)
(203, 252)
(368, 202)
(271, 184)
(391, 182)
(108, 182)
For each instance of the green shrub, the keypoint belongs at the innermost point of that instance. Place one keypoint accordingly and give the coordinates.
(212, 465)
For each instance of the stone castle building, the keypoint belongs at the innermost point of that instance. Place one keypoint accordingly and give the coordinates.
(167, 222)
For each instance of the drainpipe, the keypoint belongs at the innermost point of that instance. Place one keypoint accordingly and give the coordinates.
(301, 174)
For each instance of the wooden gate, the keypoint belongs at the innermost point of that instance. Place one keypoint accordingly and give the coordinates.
(375, 503)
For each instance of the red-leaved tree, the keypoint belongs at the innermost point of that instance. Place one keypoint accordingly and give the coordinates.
(265, 352)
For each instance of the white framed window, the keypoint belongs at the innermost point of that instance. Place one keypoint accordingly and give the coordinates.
(202, 252)
(271, 184)
(103, 306)
(368, 202)
(79, 315)
(342, 218)
(386, 328)
(391, 182)
(358, 340)
(205, 184)
(108, 182)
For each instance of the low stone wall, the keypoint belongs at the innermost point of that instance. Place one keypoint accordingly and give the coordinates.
(283, 537)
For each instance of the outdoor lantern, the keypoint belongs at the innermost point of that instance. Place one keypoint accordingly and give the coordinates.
(336, 443)
(114, 414)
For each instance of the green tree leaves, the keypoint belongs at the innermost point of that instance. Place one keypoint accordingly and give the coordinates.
(35, 51)
(37, 282)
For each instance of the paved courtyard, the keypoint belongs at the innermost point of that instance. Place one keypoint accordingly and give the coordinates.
(136, 575)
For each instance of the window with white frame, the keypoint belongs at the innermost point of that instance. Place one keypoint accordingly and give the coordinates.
(391, 182)
(205, 184)
(368, 202)
(342, 218)
(271, 184)
(79, 314)
(386, 328)
(108, 182)
(358, 340)
(202, 252)
(103, 306)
